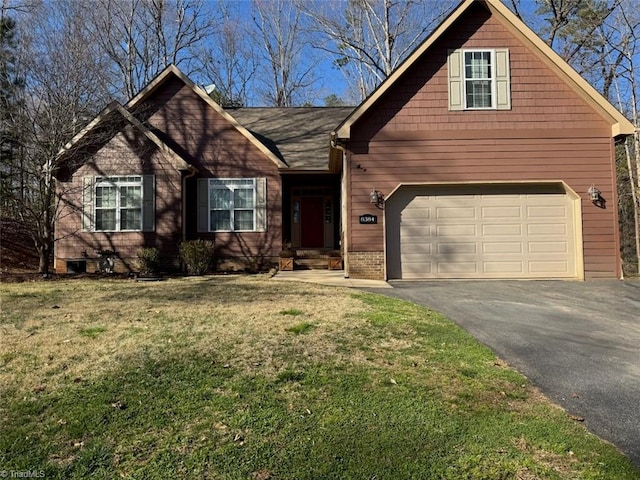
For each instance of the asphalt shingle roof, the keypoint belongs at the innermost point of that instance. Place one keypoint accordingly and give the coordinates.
(297, 135)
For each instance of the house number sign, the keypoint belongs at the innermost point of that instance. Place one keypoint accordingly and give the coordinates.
(368, 219)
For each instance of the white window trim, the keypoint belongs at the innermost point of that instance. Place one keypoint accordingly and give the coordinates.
(112, 181)
(232, 209)
(493, 79)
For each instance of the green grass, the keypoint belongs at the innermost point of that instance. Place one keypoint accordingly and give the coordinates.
(93, 331)
(292, 311)
(301, 328)
(216, 382)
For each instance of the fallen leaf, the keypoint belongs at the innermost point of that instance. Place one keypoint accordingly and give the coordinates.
(261, 475)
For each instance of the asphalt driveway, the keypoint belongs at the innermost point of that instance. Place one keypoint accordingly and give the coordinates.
(579, 342)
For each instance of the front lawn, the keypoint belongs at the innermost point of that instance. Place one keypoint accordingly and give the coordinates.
(241, 377)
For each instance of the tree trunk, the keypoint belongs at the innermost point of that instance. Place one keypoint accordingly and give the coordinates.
(45, 259)
(634, 190)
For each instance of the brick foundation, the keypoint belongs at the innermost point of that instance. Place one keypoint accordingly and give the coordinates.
(120, 265)
(368, 265)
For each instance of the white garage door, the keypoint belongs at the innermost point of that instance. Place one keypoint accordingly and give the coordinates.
(486, 234)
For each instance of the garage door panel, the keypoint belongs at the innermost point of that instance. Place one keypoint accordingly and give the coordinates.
(545, 267)
(414, 212)
(410, 231)
(499, 200)
(549, 211)
(413, 251)
(547, 229)
(503, 268)
(448, 268)
(456, 248)
(485, 235)
(454, 199)
(501, 247)
(423, 223)
(497, 230)
(548, 247)
(460, 230)
(542, 198)
(455, 212)
(416, 270)
(501, 212)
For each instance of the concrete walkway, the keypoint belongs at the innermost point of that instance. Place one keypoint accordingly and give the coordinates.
(334, 278)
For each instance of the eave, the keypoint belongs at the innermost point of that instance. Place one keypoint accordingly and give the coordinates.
(172, 70)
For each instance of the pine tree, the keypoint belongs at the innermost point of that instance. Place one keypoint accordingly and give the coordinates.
(11, 87)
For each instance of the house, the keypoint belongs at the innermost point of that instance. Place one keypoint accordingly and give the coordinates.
(484, 155)
(172, 165)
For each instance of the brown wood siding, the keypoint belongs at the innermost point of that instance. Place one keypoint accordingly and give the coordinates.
(210, 143)
(128, 153)
(550, 133)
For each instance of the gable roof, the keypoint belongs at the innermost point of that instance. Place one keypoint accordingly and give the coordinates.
(173, 71)
(297, 135)
(620, 126)
(101, 129)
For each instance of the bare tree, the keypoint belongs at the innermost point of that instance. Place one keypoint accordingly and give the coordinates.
(142, 37)
(287, 63)
(59, 66)
(625, 48)
(230, 60)
(370, 38)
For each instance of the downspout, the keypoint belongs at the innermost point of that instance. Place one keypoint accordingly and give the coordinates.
(192, 171)
(344, 220)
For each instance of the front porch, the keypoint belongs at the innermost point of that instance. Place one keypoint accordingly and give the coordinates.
(311, 217)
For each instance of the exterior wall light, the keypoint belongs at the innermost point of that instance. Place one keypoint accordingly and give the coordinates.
(596, 197)
(376, 198)
(594, 193)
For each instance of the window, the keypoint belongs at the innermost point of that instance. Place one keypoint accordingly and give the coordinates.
(119, 203)
(479, 79)
(231, 204)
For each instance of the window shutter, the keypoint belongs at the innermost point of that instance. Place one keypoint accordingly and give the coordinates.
(261, 204)
(456, 80)
(203, 205)
(148, 203)
(503, 81)
(88, 224)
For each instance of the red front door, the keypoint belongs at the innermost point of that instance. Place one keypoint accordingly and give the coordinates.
(312, 222)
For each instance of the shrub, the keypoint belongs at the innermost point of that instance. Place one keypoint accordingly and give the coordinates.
(197, 256)
(149, 261)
